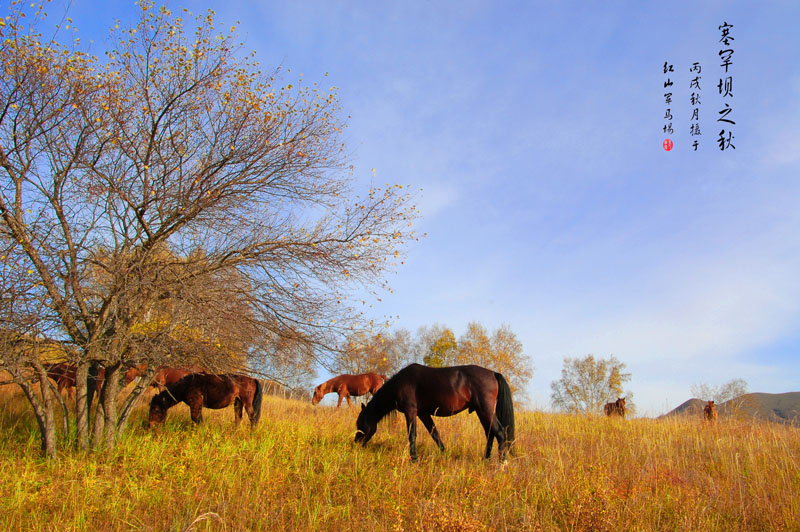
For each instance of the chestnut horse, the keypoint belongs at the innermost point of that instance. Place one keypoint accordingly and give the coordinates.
(166, 377)
(421, 391)
(617, 408)
(349, 385)
(200, 390)
(710, 411)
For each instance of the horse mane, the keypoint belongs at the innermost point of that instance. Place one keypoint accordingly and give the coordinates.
(383, 401)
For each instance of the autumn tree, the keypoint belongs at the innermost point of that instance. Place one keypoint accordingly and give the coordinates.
(588, 383)
(382, 353)
(174, 199)
(436, 346)
(501, 351)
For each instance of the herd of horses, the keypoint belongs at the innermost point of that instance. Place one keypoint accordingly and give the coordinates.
(416, 391)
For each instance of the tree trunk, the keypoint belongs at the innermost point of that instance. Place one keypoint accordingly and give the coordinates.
(92, 389)
(130, 402)
(45, 421)
(64, 409)
(82, 407)
(97, 423)
(108, 399)
(49, 442)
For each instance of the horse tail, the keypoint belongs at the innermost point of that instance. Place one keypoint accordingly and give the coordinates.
(257, 401)
(504, 409)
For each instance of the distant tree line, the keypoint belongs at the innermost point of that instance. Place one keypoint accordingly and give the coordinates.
(437, 346)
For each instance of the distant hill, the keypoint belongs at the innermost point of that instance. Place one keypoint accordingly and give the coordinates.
(776, 407)
(690, 407)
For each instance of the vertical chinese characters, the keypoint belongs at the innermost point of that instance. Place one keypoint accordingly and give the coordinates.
(694, 100)
(725, 87)
(668, 102)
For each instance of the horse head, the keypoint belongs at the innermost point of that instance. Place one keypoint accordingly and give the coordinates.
(318, 394)
(158, 410)
(365, 428)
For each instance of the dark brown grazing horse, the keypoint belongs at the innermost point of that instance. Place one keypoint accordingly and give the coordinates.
(420, 391)
(710, 411)
(65, 375)
(200, 390)
(617, 408)
(349, 385)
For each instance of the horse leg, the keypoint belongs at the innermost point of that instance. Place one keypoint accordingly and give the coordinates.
(349, 402)
(491, 426)
(427, 420)
(251, 412)
(237, 410)
(411, 427)
(195, 402)
(501, 435)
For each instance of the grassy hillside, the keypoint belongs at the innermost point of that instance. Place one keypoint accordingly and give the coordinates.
(299, 471)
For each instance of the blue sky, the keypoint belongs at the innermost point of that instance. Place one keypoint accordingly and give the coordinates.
(534, 130)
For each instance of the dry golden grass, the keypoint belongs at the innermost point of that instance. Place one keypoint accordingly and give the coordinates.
(300, 471)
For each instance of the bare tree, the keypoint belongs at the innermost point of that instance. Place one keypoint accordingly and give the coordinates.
(588, 383)
(732, 393)
(288, 364)
(175, 202)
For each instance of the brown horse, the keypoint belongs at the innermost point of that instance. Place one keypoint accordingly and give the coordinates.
(65, 375)
(349, 385)
(420, 391)
(200, 390)
(710, 411)
(166, 377)
(617, 408)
